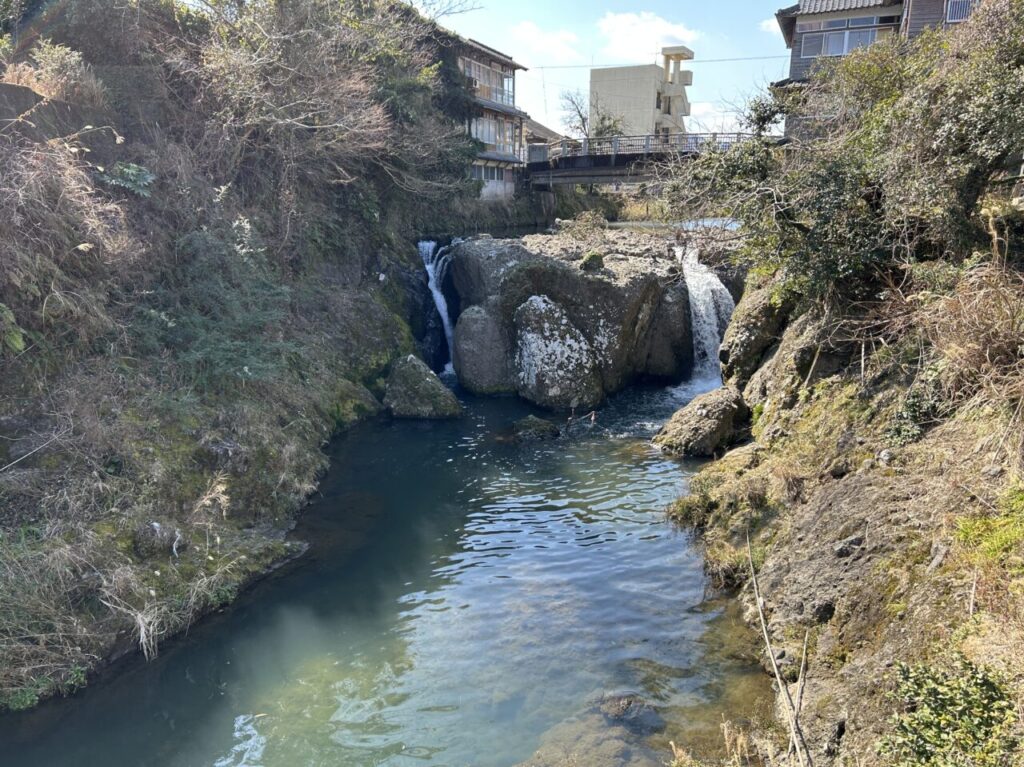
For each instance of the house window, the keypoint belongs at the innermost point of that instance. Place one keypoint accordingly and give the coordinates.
(958, 10)
(492, 83)
(836, 43)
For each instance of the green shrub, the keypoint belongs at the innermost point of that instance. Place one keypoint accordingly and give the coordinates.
(592, 262)
(128, 175)
(220, 313)
(962, 716)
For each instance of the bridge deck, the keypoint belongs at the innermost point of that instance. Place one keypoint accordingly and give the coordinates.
(617, 158)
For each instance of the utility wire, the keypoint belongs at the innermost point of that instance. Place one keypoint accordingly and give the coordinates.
(686, 62)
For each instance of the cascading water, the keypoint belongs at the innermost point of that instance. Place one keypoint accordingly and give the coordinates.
(434, 261)
(711, 306)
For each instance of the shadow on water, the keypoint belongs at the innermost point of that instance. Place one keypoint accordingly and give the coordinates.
(463, 596)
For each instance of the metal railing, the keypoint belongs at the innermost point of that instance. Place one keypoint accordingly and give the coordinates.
(685, 143)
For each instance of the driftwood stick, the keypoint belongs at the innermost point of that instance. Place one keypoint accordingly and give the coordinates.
(803, 754)
(800, 689)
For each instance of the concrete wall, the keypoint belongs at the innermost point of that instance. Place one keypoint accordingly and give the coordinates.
(629, 92)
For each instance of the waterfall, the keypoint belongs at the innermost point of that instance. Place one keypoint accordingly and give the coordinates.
(711, 306)
(434, 261)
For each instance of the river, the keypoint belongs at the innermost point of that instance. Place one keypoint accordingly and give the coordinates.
(465, 600)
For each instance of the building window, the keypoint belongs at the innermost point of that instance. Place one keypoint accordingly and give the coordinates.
(836, 43)
(958, 10)
(491, 83)
(495, 133)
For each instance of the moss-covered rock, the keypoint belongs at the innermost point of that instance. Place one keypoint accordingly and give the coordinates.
(705, 426)
(414, 391)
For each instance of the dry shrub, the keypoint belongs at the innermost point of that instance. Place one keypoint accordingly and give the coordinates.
(57, 72)
(978, 333)
(60, 240)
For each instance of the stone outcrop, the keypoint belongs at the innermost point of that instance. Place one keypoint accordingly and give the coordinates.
(756, 325)
(535, 322)
(414, 391)
(704, 426)
(534, 429)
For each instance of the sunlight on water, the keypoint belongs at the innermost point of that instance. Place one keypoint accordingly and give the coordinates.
(466, 602)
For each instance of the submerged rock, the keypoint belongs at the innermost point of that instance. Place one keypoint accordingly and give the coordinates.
(532, 429)
(414, 391)
(555, 364)
(704, 426)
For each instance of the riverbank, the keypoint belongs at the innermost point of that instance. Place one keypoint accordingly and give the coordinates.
(878, 574)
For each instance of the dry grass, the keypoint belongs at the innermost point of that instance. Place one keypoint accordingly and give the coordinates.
(57, 72)
(978, 336)
(64, 239)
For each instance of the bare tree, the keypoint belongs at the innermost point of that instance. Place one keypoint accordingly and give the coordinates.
(586, 118)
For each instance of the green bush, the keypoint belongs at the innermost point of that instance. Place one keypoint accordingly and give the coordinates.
(220, 313)
(960, 717)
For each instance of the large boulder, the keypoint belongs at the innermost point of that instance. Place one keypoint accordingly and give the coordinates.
(478, 266)
(414, 391)
(555, 364)
(705, 426)
(756, 326)
(482, 354)
(631, 317)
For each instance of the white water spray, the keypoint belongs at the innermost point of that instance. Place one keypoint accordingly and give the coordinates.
(711, 306)
(434, 261)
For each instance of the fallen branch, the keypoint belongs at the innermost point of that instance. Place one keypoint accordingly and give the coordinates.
(803, 754)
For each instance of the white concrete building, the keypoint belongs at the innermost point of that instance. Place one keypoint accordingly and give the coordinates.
(651, 99)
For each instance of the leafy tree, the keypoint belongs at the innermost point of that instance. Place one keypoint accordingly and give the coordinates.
(892, 149)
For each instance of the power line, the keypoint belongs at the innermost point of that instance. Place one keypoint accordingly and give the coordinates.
(689, 61)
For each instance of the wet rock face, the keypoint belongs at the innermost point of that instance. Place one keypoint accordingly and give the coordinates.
(414, 391)
(704, 426)
(538, 323)
(555, 364)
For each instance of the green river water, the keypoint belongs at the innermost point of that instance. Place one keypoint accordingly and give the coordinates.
(466, 601)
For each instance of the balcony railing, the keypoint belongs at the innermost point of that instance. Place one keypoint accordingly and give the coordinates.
(959, 10)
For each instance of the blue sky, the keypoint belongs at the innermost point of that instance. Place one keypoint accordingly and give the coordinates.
(559, 40)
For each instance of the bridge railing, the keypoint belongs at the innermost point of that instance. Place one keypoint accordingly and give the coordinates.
(686, 143)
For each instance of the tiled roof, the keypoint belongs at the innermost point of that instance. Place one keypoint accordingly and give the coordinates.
(828, 6)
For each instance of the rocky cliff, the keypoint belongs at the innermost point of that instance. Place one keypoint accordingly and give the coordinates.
(855, 530)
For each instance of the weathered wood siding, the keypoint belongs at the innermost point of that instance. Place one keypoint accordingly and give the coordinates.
(922, 14)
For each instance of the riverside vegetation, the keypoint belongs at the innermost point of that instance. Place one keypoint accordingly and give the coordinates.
(879, 351)
(204, 273)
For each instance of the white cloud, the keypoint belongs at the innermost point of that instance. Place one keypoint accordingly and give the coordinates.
(771, 26)
(540, 46)
(638, 37)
